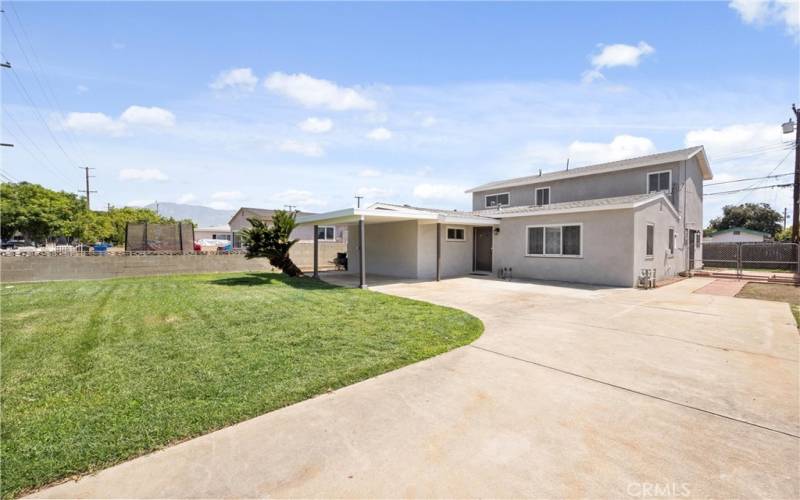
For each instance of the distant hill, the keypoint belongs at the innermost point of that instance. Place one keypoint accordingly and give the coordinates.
(200, 215)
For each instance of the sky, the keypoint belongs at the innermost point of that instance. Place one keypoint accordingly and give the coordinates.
(309, 104)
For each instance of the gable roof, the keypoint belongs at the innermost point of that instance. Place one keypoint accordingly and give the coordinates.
(601, 168)
(740, 229)
(597, 204)
(259, 213)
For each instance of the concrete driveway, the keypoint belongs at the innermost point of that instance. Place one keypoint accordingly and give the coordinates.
(570, 392)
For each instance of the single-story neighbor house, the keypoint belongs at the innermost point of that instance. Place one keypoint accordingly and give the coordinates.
(601, 224)
(737, 235)
(213, 233)
(239, 222)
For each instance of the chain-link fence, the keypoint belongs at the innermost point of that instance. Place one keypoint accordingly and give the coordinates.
(742, 256)
(145, 237)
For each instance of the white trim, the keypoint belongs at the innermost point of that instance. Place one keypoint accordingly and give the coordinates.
(659, 172)
(460, 240)
(536, 195)
(650, 255)
(486, 202)
(544, 240)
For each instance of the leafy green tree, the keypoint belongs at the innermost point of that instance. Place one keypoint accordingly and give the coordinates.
(119, 218)
(37, 212)
(273, 241)
(755, 216)
(784, 235)
(91, 227)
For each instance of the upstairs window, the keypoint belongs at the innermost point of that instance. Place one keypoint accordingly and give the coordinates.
(658, 182)
(326, 233)
(497, 200)
(455, 234)
(542, 196)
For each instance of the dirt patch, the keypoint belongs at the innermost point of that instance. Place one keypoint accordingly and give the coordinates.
(777, 292)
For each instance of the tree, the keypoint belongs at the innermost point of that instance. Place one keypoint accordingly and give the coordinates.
(120, 218)
(755, 216)
(273, 241)
(37, 212)
(784, 235)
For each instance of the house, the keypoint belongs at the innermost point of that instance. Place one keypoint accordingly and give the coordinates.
(737, 235)
(213, 233)
(239, 222)
(600, 224)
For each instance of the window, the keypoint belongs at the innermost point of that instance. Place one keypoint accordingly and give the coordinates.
(455, 234)
(651, 229)
(659, 182)
(327, 233)
(497, 200)
(555, 240)
(542, 196)
(671, 241)
(697, 239)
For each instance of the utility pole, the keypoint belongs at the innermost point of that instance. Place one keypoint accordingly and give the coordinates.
(6, 65)
(87, 191)
(358, 200)
(796, 198)
(290, 208)
(784, 218)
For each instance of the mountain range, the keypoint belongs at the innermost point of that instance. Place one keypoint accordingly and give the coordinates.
(200, 215)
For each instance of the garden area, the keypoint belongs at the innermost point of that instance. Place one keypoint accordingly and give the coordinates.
(98, 372)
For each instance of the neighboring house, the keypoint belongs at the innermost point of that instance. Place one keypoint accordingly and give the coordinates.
(213, 233)
(737, 235)
(239, 222)
(601, 224)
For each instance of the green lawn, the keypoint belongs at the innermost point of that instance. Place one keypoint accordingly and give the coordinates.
(96, 372)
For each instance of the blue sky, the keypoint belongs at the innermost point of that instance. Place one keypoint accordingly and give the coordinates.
(267, 104)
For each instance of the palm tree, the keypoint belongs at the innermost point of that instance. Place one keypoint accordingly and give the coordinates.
(273, 241)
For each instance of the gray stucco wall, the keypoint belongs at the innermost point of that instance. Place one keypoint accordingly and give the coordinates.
(621, 183)
(608, 239)
(662, 219)
(391, 249)
(456, 255)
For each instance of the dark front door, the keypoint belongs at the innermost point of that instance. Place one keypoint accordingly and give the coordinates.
(483, 249)
(692, 237)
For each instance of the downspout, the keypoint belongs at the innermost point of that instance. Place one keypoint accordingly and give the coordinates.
(683, 216)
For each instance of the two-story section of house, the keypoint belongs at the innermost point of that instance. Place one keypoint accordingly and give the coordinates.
(600, 224)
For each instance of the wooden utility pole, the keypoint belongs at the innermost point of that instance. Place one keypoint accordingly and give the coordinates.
(87, 191)
(784, 218)
(796, 198)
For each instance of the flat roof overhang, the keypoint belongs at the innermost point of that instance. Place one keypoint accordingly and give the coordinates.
(379, 215)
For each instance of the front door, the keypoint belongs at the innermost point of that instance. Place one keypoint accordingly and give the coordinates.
(692, 236)
(483, 249)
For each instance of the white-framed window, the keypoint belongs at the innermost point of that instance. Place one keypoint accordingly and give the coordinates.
(221, 237)
(659, 182)
(554, 240)
(651, 235)
(326, 233)
(456, 234)
(542, 196)
(498, 200)
(671, 241)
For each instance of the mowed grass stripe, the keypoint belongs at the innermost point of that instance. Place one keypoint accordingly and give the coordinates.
(97, 372)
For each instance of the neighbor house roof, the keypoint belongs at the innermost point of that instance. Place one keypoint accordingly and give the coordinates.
(740, 229)
(219, 229)
(259, 213)
(613, 203)
(600, 168)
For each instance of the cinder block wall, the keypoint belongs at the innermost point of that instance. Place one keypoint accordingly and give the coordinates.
(48, 268)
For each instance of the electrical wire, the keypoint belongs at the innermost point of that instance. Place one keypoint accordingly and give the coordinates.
(770, 173)
(750, 189)
(47, 163)
(748, 179)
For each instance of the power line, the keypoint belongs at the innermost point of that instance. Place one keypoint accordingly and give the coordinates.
(749, 179)
(770, 173)
(749, 189)
(47, 163)
(737, 155)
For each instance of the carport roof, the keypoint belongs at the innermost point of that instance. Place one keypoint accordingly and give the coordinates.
(394, 213)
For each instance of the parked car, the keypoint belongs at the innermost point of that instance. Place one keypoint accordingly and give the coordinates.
(16, 244)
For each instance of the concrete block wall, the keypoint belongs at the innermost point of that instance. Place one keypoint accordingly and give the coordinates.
(48, 268)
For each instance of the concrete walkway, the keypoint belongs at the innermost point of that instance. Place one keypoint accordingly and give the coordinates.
(570, 392)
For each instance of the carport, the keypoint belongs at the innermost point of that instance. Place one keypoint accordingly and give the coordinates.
(418, 226)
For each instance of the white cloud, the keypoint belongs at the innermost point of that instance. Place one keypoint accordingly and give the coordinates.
(428, 121)
(237, 78)
(618, 54)
(153, 116)
(299, 198)
(221, 205)
(763, 12)
(142, 174)
(373, 192)
(621, 147)
(186, 198)
(316, 93)
(316, 125)
(118, 45)
(139, 203)
(369, 172)
(82, 89)
(311, 149)
(441, 192)
(95, 123)
(227, 195)
(380, 134)
(735, 138)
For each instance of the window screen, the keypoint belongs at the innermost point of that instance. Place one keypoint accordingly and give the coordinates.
(535, 240)
(552, 240)
(650, 234)
(658, 182)
(543, 196)
(572, 240)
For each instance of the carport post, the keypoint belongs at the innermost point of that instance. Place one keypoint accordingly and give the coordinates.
(316, 251)
(438, 251)
(362, 252)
